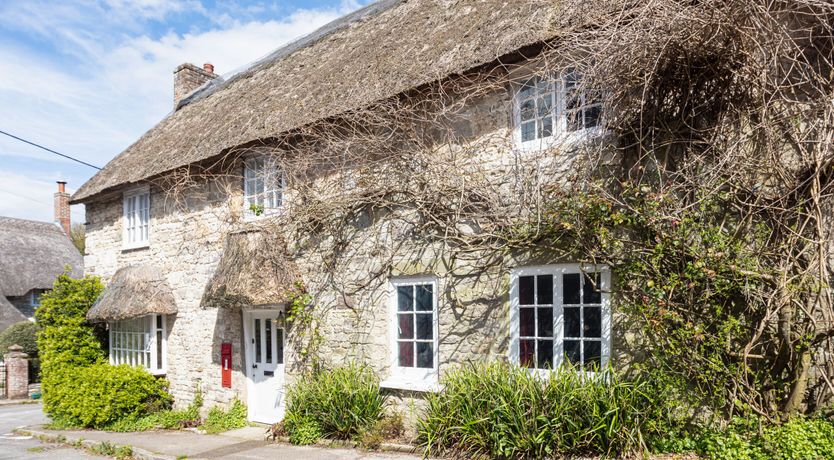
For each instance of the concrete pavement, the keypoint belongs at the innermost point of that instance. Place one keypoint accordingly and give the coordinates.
(242, 444)
(13, 446)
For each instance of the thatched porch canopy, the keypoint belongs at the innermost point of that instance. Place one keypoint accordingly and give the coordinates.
(255, 269)
(134, 291)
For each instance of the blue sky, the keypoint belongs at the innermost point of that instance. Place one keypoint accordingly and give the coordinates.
(88, 77)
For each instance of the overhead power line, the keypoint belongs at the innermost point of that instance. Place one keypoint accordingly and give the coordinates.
(50, 150)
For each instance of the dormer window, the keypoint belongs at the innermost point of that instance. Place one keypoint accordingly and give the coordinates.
(549, 107)
(263, 186)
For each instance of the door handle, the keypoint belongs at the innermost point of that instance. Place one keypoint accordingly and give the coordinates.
(254, 366)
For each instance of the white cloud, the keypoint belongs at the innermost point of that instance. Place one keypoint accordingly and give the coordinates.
(88, 78)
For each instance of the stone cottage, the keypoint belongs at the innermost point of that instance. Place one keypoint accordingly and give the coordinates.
(32, 255)
(305, 211)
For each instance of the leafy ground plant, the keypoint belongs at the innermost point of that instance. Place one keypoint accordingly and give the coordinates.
(342, 402)
(501, 411)
(219, 420)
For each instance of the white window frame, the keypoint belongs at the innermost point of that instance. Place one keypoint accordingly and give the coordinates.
(560, 133)
(250, 173)
(126, 347)
(131, 213)
(558, 271)
(412, 378)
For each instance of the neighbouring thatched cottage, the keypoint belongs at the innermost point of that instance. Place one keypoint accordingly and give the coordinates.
(207, 230)
(32, 255)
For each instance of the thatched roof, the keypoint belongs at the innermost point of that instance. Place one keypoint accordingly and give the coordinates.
(134, 291)
(254, 269)
(33, 254)
(380, 51)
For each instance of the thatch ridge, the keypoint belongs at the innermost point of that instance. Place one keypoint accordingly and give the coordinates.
(134, 291)
(33, 254)
(377, 54)
(255, 269)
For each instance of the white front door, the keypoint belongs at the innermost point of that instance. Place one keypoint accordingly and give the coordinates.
(265, 361)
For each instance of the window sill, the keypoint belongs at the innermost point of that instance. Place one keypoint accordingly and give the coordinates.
(566, 139)
(133, 247)
(422, 386)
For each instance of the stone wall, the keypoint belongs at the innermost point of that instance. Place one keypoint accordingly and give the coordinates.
(186, 242)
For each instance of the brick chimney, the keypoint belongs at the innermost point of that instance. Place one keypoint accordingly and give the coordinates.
(62, 207)
(189, 77)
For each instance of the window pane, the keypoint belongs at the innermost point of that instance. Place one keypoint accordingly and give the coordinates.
(592, 326)
(526, 349)
(279, 333)
(590, 289)
(593, 350)
(424, 297)
(257, 340)
(572, 351)
(528, 89)
(268, 331)
(526, 292)
(546, 127)
(528, 131)
(424, 326)
(545, 354)
(527, 110)
(159, 349)
(527, 321)
(572, 326)
(570, 291)
(406, 322)
(406, 354)
(405, 298)
(545, 285)
(574, 120)
(425, 355)
(544, 105)
(592, 116)
(546, 322)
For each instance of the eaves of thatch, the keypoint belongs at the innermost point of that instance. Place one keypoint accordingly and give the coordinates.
(134, 291)
(33, 254)
(9, 314)
(255, 269)
(380, 51)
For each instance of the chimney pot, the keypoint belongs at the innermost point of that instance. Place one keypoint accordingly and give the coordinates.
(189, 77)
(62, 207)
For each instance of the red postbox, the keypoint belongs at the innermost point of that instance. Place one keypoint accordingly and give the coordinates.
(226, 364)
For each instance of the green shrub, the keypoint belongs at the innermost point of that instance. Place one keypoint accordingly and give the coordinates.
(100, 394)
(342, 402)
(502, 411)
(66, 341)
(24, 334)
(745, 439)
(164, 419)
(219, 420)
